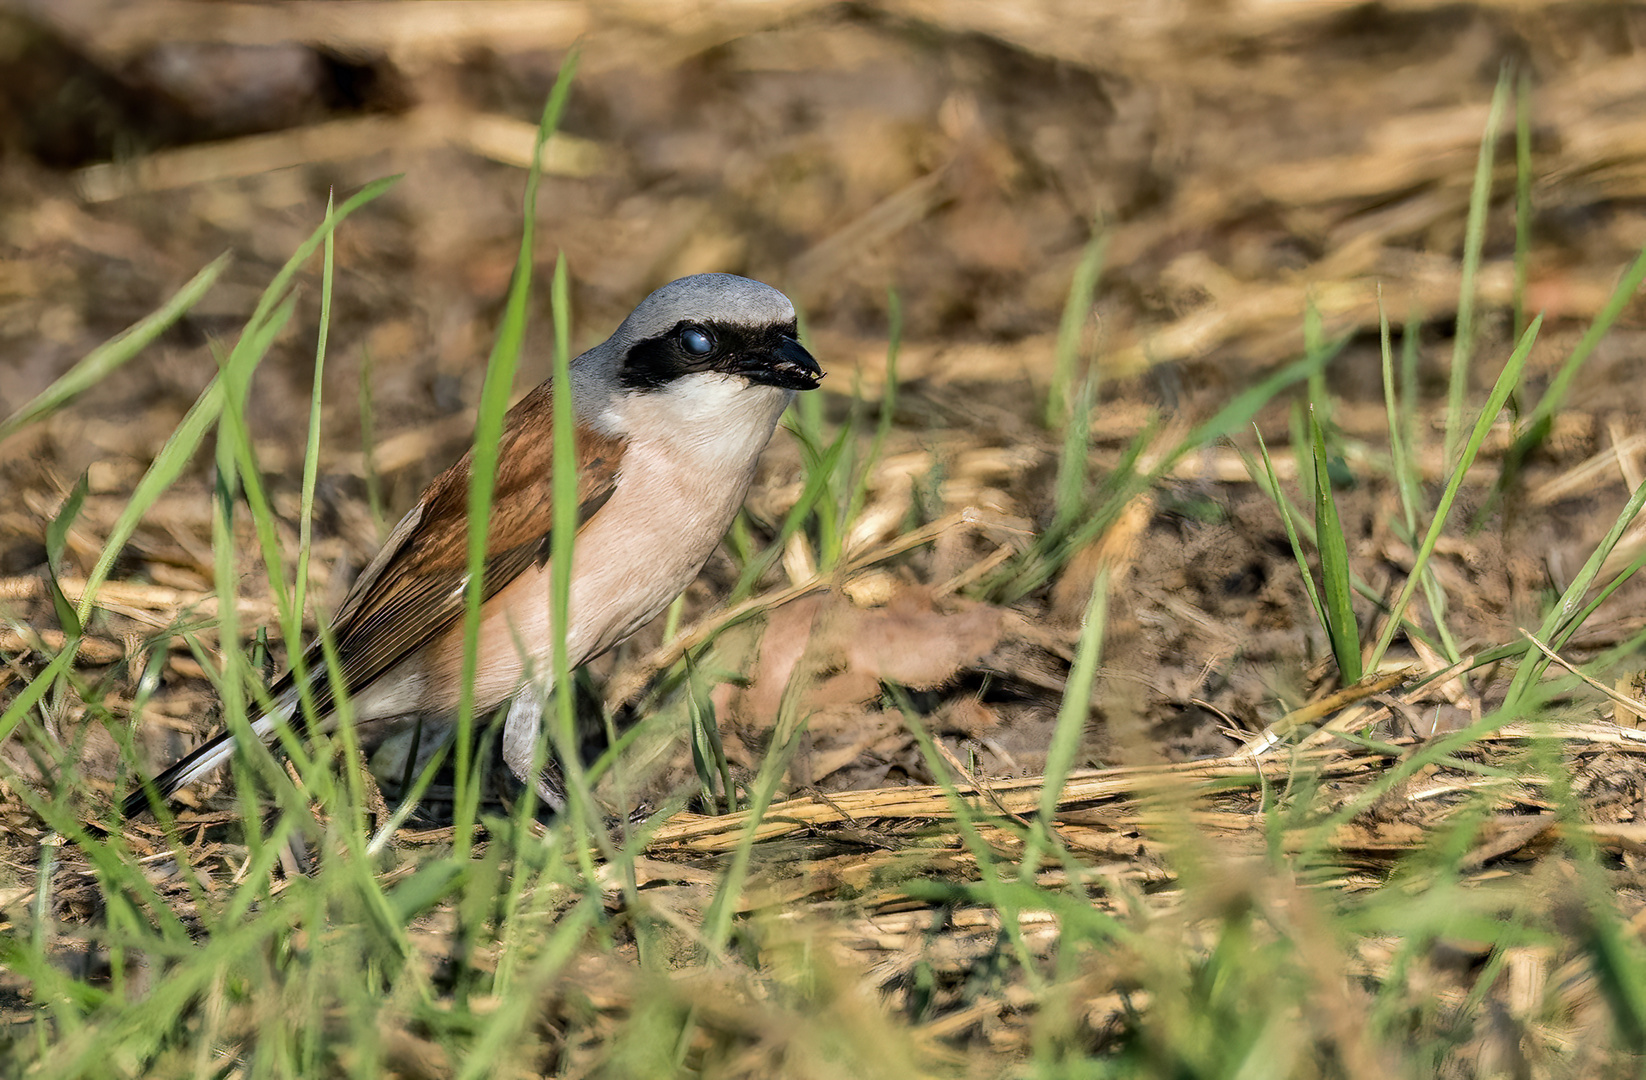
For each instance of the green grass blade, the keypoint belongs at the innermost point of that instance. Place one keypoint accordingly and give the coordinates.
(162, 472)
(1507, 380)
(1555, 396)
(1523, 195)
(107, 357)
(1069, 500)
(582, 812)
(1567, 615)
(1076, 308)
(717, 920)
(1334, 564)
(888, 410)
(17, 710)
(1400, 412)
(1395, 408)
(1617, 962)
(311, 448)
(1314, 341)
(1070, 728)
(1289, 519)
(57, 535)
(488, 429)
(1474, 238)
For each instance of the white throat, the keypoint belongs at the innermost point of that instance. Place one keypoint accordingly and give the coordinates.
(718, 421)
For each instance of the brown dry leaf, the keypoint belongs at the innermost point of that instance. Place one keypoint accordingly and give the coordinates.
(910, 641)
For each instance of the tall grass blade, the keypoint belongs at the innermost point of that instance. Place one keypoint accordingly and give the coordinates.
(1536, 426)
(581, 810)
(180, 446)
(1076, 308)
(109, 356)
(1336, 589)
(1474, 238)
(57, 535)
(1523, 195)
(717, 920)
(1400, 412)
(1568, 614)
(1507, 380)
(1289, 518)
(311, 447)
(488, 429)
(1069, 499)
(1070, 729)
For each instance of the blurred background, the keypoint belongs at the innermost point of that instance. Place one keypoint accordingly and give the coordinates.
(1241, 158)
(1243, 162)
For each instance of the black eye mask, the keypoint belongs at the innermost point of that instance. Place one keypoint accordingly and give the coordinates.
(762, 354)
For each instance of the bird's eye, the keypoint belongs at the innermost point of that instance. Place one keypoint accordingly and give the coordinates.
(696, 341)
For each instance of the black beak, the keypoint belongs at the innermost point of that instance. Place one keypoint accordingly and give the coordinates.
(789, 366)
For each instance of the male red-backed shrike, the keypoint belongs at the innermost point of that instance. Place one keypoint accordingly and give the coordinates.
(673, 411)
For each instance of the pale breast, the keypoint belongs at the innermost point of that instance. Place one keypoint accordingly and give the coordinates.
(676, 496)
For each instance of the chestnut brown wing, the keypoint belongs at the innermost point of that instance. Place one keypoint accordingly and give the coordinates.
(414, 588)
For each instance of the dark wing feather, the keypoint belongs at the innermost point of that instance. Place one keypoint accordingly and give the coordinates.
(414, 588)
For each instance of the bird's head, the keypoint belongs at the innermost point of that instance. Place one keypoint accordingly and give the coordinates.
(717, 325)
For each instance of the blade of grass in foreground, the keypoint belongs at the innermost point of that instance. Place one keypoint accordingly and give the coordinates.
(1076, 307)
(305, 533)
(180, 446)
(1507, 380)
(1474, 239)
(1073, 464)
(236, 474)
(1405, 470)
(582, 812)
(107, 357)
(1334, 564)
(488, 429)
(1296, 543)
(1568, 614)
(311, 448)
(717, 920)
(1071, 725)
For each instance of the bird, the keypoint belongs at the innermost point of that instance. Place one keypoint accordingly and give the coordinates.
(673, 411)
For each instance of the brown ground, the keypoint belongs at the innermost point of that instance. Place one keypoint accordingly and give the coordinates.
(1244, 160)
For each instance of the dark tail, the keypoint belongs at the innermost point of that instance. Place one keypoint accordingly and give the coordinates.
(195, 765)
